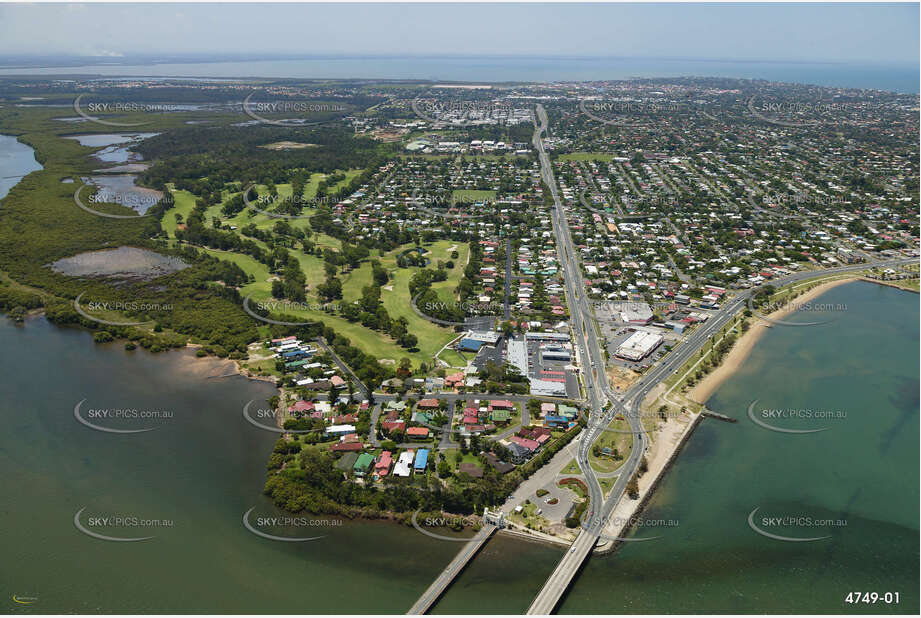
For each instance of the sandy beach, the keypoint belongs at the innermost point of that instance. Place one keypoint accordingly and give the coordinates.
(744, 345)
(669, 438)
(672, 434)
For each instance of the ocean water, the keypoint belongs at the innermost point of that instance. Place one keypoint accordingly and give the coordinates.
(861, 473)
(198, 471)
(890, 77)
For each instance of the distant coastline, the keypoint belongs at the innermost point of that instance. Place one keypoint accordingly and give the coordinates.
(892, 77)
(703, 390)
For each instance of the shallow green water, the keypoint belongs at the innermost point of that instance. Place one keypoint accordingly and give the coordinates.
(203, 468)
(863, 470)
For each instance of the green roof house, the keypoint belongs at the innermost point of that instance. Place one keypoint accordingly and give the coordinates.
(363, 464)
(500, 416)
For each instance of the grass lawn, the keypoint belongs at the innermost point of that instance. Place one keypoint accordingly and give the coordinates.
(572, 468)
(263, 367)
(620, 439)
(471, 195)
(371, 342)
(441, 251)
(350, 175)
(354, 281)
(905, 284)
(607, 484)
(453, 358)
(184, 203)
(528, 517)
(573, 487)
(396, 300)
(586, 156)
(265, 222)
(451, 457)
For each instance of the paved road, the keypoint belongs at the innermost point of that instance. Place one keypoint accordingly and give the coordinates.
(630, 402)
(482, 397)
(451, 571)
(508, 279)
(446, 442)
(525, 422)
(372, 434)
(598, 392)
(342, 366)
(594, 186)
(559, 580)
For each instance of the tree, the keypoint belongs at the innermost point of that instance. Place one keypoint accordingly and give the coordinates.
(633, 489)
(404, 370)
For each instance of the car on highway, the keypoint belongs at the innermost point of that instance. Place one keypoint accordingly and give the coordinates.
(572, 550)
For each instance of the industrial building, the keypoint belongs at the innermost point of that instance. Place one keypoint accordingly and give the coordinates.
(489, 337)
(530, 336)
(547, 388)
(639, 345)
(636, 313)
(518, 355)
(469, 345)
(554, 353)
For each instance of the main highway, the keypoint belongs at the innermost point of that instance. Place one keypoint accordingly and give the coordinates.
(604, 404)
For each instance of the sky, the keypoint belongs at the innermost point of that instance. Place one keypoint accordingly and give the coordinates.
(788, 32)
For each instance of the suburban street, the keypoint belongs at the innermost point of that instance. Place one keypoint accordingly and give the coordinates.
(630, 402)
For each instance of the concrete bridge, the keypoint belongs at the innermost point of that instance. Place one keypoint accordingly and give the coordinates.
(552, 591)
(441, 583)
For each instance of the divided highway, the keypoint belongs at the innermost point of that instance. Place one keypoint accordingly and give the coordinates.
(597, 390)
(599, 394)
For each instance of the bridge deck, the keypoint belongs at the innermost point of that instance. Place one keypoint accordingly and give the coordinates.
(562, 575)
(441, 583)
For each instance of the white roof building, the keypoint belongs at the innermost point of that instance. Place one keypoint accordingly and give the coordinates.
(340, 429)
(404, 464)
(546, 388)
(639, 345)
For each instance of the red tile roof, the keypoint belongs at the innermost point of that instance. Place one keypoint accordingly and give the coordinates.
(531, 445)
(346, 446)
(389, 426)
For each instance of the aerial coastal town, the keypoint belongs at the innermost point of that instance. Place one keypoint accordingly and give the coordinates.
(483, 300)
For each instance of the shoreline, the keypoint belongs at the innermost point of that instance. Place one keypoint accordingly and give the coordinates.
(676, 431)
(672, 436)
(889, 284)
(238, 369)
(703, 390)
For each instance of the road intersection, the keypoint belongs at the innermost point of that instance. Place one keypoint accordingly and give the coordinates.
(603, 404)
